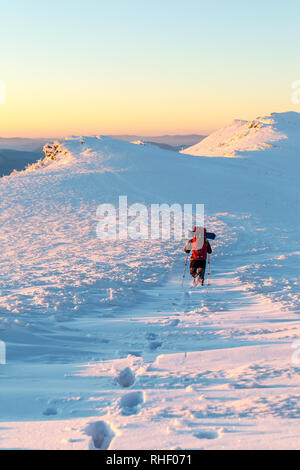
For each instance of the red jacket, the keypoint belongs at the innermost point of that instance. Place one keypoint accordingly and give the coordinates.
(198, 254)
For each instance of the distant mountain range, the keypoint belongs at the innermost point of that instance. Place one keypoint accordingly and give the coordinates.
(36, 145)
(20, 143)
(171, 142)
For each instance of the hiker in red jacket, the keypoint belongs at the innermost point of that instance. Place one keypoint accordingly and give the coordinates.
(200, 248)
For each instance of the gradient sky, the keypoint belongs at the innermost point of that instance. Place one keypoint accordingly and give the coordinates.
(144, 66)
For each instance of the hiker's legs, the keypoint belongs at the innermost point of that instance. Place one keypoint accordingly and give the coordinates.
(202, 268)
(198, 268)
(194, 269)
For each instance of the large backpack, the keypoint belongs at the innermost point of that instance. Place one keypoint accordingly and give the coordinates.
(199, 254)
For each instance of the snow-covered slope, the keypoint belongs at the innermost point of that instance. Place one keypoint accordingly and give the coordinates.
(210, 368)
(51, 259)
(274, 131)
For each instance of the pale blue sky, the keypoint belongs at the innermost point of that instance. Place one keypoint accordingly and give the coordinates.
(134, 66)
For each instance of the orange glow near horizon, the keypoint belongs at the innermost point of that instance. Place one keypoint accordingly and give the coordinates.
(60, 115)
(42, 108)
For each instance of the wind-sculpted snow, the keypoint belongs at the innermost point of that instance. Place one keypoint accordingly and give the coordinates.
(275, 131)
(105, 349)
(52, 262)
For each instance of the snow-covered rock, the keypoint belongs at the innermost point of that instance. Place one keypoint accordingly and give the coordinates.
(138, 142)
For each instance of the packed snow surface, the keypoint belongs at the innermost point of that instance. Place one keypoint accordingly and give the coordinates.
(105, 349)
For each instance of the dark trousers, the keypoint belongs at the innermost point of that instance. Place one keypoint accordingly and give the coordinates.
(197, 268)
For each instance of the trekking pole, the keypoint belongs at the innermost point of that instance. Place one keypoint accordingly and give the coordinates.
(184, 273)
(209, 270)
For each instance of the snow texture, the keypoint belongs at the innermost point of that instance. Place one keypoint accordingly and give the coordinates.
(83, 320)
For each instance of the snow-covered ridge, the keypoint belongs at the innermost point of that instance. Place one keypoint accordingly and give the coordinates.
(276, 130)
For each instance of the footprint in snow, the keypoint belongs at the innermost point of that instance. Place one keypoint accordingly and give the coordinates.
(154, 345)
(131, 403)
(151, 336)
(126, 378)
(207, 435)
(101, 435)
(51, 411)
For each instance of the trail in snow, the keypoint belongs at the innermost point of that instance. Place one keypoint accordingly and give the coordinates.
(203, 360)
